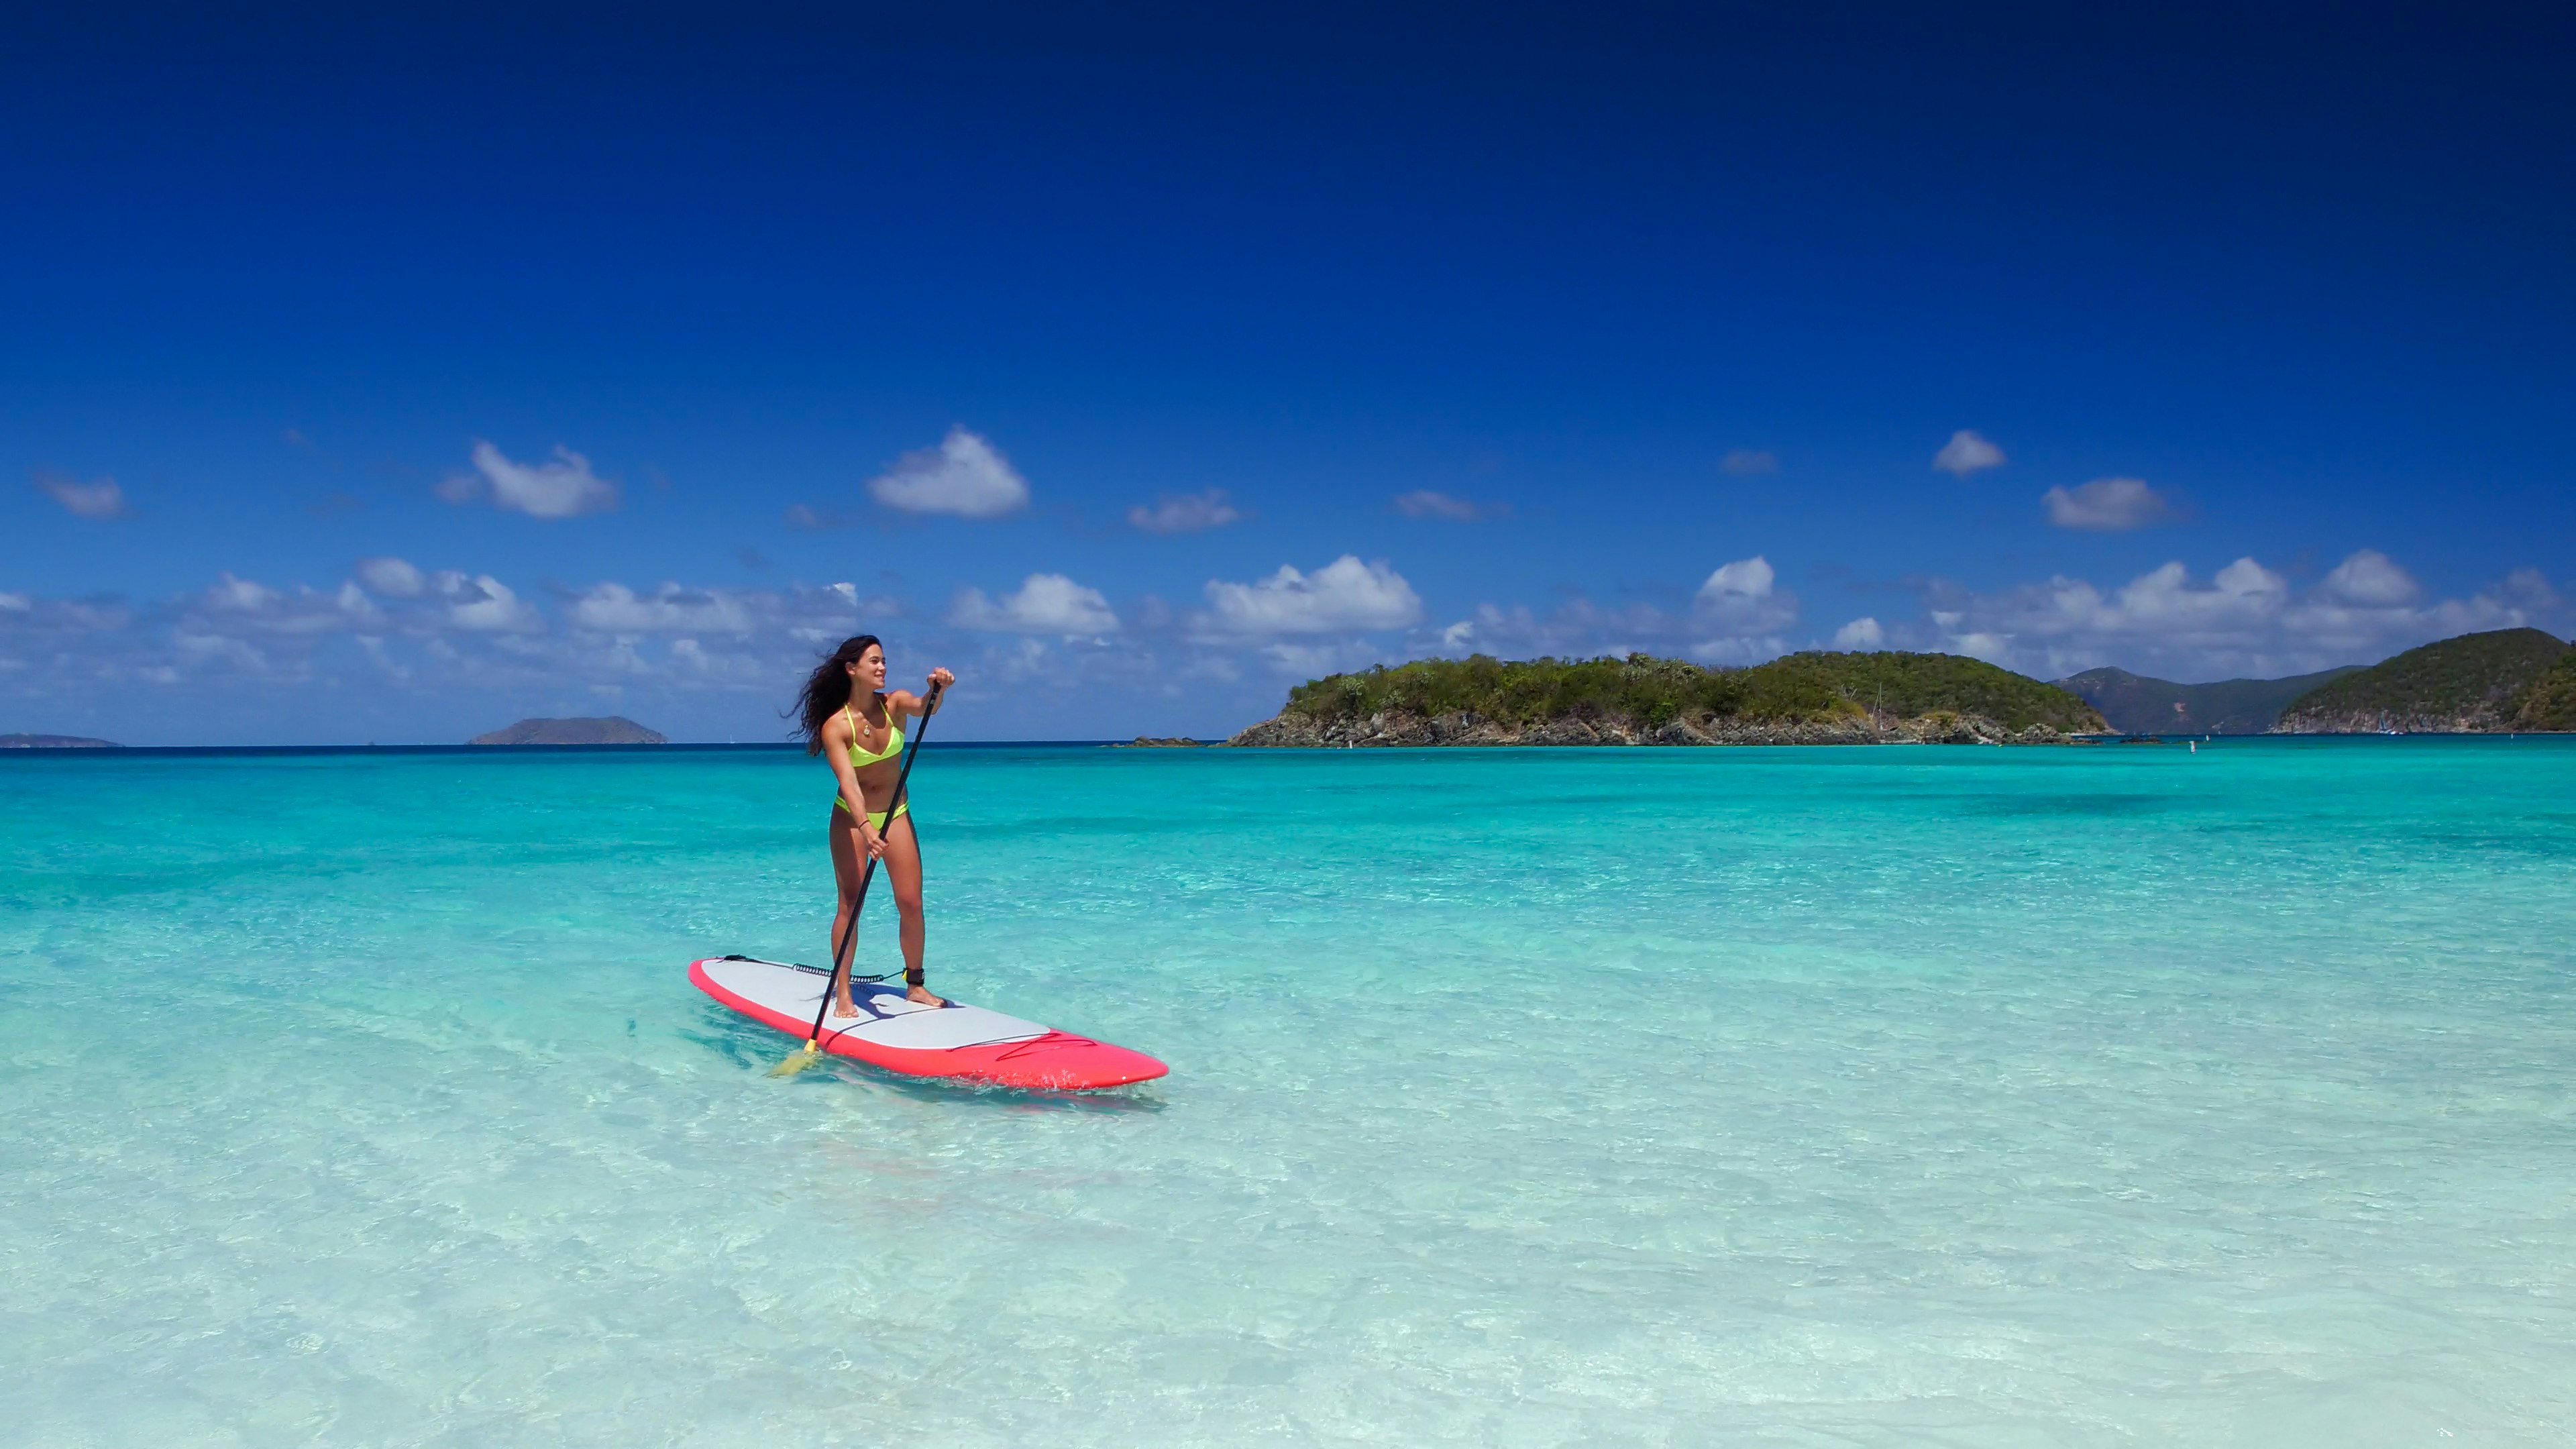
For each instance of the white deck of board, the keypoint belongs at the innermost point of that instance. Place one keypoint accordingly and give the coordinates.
(885, 1018)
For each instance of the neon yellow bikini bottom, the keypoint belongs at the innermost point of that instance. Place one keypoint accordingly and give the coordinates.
(876, 818)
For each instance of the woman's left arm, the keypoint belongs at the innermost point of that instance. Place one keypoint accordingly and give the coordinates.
(911, 703)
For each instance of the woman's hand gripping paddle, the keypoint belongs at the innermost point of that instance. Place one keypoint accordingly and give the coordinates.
(845, 949)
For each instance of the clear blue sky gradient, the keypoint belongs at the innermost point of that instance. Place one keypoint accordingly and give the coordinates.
(276, 272)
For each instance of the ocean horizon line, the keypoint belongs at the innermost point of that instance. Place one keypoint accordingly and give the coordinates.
(768, 746)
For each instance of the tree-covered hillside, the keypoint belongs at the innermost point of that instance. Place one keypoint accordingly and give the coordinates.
(2476, 682)
(2550, 703)
(2137, 704)
(1818, 696)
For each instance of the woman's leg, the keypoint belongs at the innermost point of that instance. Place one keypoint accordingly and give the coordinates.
(902, 865)
(848, 861)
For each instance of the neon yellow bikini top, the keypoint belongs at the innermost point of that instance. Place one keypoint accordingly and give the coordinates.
(860, 759)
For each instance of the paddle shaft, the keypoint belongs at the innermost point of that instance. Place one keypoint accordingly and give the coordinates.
(846, 949)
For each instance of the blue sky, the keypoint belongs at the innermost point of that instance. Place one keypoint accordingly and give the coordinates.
(391, 379)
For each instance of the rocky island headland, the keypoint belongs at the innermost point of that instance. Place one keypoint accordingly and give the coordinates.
(616, 729)
(2500, 682)
(1814, 698)
(56, 742)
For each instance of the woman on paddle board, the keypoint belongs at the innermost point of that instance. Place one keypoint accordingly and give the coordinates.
(856, 725)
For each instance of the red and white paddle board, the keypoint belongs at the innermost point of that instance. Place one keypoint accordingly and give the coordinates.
(955, 1040)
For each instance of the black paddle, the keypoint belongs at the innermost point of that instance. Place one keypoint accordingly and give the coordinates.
(845, 950)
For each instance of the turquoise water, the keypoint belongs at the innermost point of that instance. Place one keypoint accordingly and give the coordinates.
(1856, 1097)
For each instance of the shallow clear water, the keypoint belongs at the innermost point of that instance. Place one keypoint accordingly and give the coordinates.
(1852, 1097)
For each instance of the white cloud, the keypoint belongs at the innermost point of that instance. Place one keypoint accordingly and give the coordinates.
(616, 609)
(100, 498)
(392, 578)
(1861, 633)
(248, 604)
(1043, 604)
(16, 604)
(482, 604)
(1313, 660)
(239, 596)
(1739, 613)
(964, 476)
(1738, 617)
(1425, 503)
(1744, 579)
(1965, 453)
(2369, 579)
(1344, 595)
(2246, 620)
(563, 488)
(1185, 513)
(1576, 629)
(2107, 505)
(1748, 460)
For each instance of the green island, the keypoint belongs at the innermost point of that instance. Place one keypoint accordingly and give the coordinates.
(2550, 703)
(1808, 698)
(2143, 705)
(615, 729)
(2502, 680)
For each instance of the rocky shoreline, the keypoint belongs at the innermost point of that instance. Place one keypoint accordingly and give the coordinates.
(1393, 728)
(2484, 720)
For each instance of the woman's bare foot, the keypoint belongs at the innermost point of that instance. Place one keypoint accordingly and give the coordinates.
(844, 1007)
(920, 996)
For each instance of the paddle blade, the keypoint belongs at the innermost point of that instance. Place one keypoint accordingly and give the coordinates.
(797, 1061)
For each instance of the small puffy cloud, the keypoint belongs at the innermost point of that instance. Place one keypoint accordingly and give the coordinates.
(1739, 612)
(238, 603)
(1746, 578)
(2107, 505)
(1965, 453)
(1343, 595)
(392, 578)
(1577, 628)
(964, 476)
(482, 604)
(239, 596)
(1185, 513)
(562, 488)
(1426, 503)
(2370, 580)
(616, 609)
(98, 498)
(1861, 633)
(1748, 460)
(1314, 660)
(1043, 604)
(16, 604)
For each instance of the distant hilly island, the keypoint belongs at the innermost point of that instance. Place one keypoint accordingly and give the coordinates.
(2492, 683)
(615, 729)
(2506, 680)
(2136, 704)
(55, 742)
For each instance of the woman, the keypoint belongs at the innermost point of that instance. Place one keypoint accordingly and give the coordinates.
(852, 722)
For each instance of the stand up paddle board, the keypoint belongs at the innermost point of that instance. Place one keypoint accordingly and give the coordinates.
(967, 1042)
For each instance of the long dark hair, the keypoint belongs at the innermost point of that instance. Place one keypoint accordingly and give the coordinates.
(828, 688)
